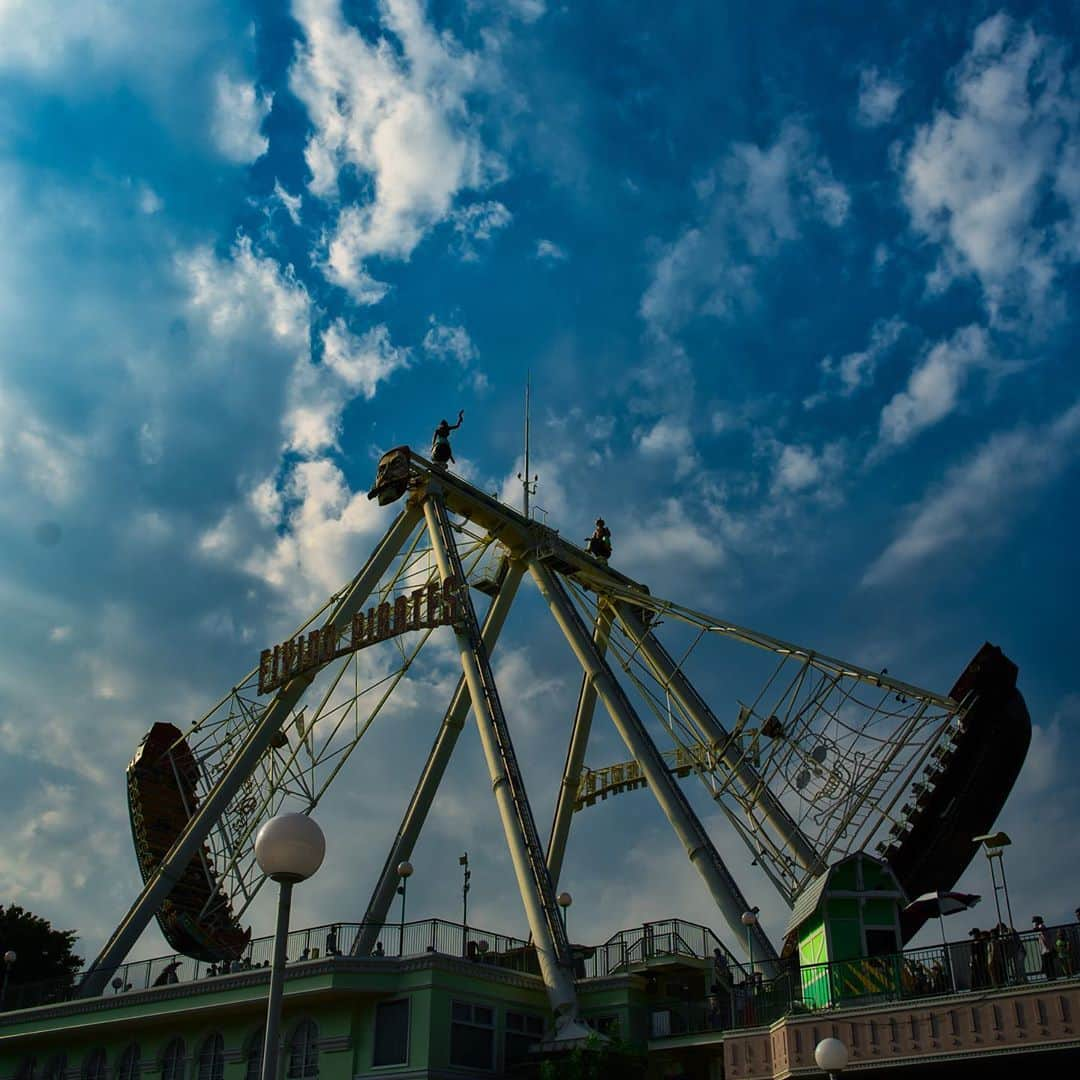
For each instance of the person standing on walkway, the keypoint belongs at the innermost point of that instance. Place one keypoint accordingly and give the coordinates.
(1046, 945)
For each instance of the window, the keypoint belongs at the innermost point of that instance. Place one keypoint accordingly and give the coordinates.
(254, 1054)
(472, 1035)
(94, 1066)
(212, 1058)
(522, 1031)
(304, 1052)
(56, 1068)
(172, 1061)
(129, 1068)
(605, 1025)
(391, 1033)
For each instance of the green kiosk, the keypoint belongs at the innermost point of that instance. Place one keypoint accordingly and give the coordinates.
(847, 929)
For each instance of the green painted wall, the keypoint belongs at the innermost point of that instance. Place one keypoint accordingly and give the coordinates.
(342, 1002)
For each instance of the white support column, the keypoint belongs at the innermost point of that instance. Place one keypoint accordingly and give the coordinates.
(526, 853)
(715, 735)
(703, 854)
(575, 756)
(427, 787)
(240, 766)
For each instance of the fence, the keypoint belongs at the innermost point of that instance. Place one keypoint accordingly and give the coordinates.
(337, 939)
(747, 1000)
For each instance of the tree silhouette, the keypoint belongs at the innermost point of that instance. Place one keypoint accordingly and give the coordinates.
(42, 952)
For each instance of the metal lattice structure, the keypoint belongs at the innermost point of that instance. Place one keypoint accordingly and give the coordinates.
(816, 759)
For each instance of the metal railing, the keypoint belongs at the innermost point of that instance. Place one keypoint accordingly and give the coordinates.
(332, 940)
(738, 997)
(1006, 962)
(650, 941)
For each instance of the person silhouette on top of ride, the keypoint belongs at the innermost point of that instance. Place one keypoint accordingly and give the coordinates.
(440, 441)
(599, 544)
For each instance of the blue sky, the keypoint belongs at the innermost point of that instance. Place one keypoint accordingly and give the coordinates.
(797, 290)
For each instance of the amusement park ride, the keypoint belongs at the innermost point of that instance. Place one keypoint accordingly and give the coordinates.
(817, 759)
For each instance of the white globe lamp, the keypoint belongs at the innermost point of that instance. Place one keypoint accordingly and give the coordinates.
(290, 848)
(831, 1055)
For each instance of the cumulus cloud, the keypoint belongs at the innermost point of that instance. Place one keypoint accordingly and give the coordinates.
(933, 389)
(669, 439)
(352, 366)
(856, 370)
(800, 470)
(247, 293)
(239, 112)
(397, 111)
(451, 341)
(669, 536)
(992, 178)
(878, 97)
(756, 200)
(979, 498)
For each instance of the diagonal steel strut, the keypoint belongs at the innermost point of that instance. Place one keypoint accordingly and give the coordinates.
(188, 843)
(575, 756)
(715, 735)
(519, 827)
(428, 785)
(703, 854)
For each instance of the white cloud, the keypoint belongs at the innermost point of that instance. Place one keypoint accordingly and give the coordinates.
(993, 178)
(856, 370)
(753, 203)
(450, 342)
(669, 439)
(148, 199)
(799, 470)
(478, 222)
(933, 389)
(878, 97)
(671, 537)
(397, 111)
(981, 497)
(239, 110)
(246, 295)
(362, 362)
(550, 252)
(292, 203)
(318, 393)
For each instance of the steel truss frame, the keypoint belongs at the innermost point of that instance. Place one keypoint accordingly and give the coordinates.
(250, 767)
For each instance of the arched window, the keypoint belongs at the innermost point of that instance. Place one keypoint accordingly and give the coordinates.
(303, 1052)
(172, 1061)
(56, 1068)
(253, 1055)
(129, 1067)
(212, 1058)
(27, 1069)
(94, 1066)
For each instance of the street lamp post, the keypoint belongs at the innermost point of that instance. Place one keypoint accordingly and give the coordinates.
(9, 962)
(832, 1056)
(749, 920)
(404, 872)
(289, 848)
(564, 900)
(463, 862)
(995, 844)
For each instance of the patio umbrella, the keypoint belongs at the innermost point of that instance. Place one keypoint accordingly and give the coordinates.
(939, 904)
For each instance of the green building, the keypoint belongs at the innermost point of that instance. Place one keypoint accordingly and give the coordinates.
(431, 1013)
(852, 911)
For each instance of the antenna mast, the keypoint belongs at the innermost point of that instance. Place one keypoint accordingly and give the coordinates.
(528, 487)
